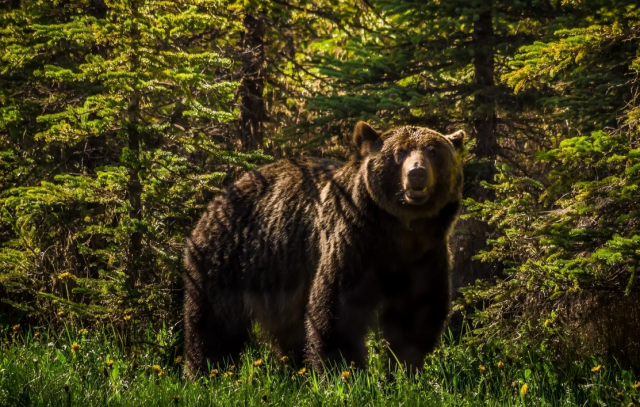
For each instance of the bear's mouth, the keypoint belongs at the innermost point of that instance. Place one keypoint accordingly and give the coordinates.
(416, 196)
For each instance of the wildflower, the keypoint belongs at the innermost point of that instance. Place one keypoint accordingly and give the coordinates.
(83, 332)
(524, 389)
(127, 318)
(500, 365)
(482, 368)
(258, 363)
(631, 405)
(176, 398)
(238, 382)
(352, 365)
(345, 375)
(178, 360)
(35, 335)
(158, 370)
(65, 275)
(597, 368)
(16, 327)
(109, 363)
(284, 359)
(618, 394)
(75, 347)
(231, 368)
(60, 313)
(302, 371)
(636, 386)
(227, 374)
(214, 373)
(548, 323)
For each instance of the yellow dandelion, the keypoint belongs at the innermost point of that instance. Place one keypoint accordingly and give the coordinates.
(127, 318)
(75, 348)
(524, 389)
(597, 368)
(618, 394)
(548, 323)
(214, 373)
(238, 382)
(284, 359)
(500, 365)
(482, 368)
(60, 313)
(35, 335)
(302, 371)
(83, 332)
(66, 275)
(16, 327)
(109, 363)
(160, 374)
(345, 375)
(231, 368)
(178, 360)
(636, 386)
(258, 363)
(157, 369)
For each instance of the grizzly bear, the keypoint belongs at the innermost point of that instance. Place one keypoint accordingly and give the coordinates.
(318, 252)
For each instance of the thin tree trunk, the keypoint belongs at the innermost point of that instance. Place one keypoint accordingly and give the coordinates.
(252, 111)
(134, 187)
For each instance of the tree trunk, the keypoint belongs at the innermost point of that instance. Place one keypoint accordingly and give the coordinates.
(134, 187)
(470, 235)
(252, 111)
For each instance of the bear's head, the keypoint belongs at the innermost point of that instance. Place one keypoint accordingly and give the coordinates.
(410, 172)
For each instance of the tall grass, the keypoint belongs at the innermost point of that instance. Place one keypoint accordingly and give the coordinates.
(107, 367)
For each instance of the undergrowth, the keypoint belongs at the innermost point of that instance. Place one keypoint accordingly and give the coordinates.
(98, 367)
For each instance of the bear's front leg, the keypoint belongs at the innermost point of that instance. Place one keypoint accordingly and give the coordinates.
(413, 323)
(339, 313)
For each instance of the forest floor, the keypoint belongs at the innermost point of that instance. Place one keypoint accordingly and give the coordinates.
(89, 367)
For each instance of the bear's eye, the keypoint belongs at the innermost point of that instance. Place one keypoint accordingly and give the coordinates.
(431, 151)
(401, 155)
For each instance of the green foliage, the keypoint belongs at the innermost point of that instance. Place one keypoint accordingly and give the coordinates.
(112, 154)
(38, 367)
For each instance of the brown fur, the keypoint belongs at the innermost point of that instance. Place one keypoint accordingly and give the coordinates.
(311, 249)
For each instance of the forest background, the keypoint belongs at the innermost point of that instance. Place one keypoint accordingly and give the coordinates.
(121, 119)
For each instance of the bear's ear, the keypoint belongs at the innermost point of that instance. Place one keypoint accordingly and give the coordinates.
(457, 139)
(366, 139)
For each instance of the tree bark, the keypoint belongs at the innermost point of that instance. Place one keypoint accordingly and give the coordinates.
(471, 234)
(252, 110)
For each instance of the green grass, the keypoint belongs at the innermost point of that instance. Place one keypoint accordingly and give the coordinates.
(41, 369)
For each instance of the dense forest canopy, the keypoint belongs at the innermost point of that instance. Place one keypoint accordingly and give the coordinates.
(121, 119)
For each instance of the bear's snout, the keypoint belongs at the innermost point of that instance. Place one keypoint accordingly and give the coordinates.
(418, 179)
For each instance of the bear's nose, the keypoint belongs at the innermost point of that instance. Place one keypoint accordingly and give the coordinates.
(417, 177)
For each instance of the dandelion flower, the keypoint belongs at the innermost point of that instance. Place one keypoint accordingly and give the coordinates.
(75, 347)
(302, 371)
(548, 323)
(35, 335)
(65, 275)
(482, 368)
(636, 386)
(127, 318)
(524, 389)
(500, 365)
(214, 373)
(345, 375)
(83, 332)
(109, 363)
(238, 382)
(60, 313)
(178, 360)
(284, 359)
(16, 327)
(597, 368)
(231, 368)
(258, 363)
(157, 369)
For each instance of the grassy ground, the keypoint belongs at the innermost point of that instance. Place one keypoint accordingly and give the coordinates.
(95, 367)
